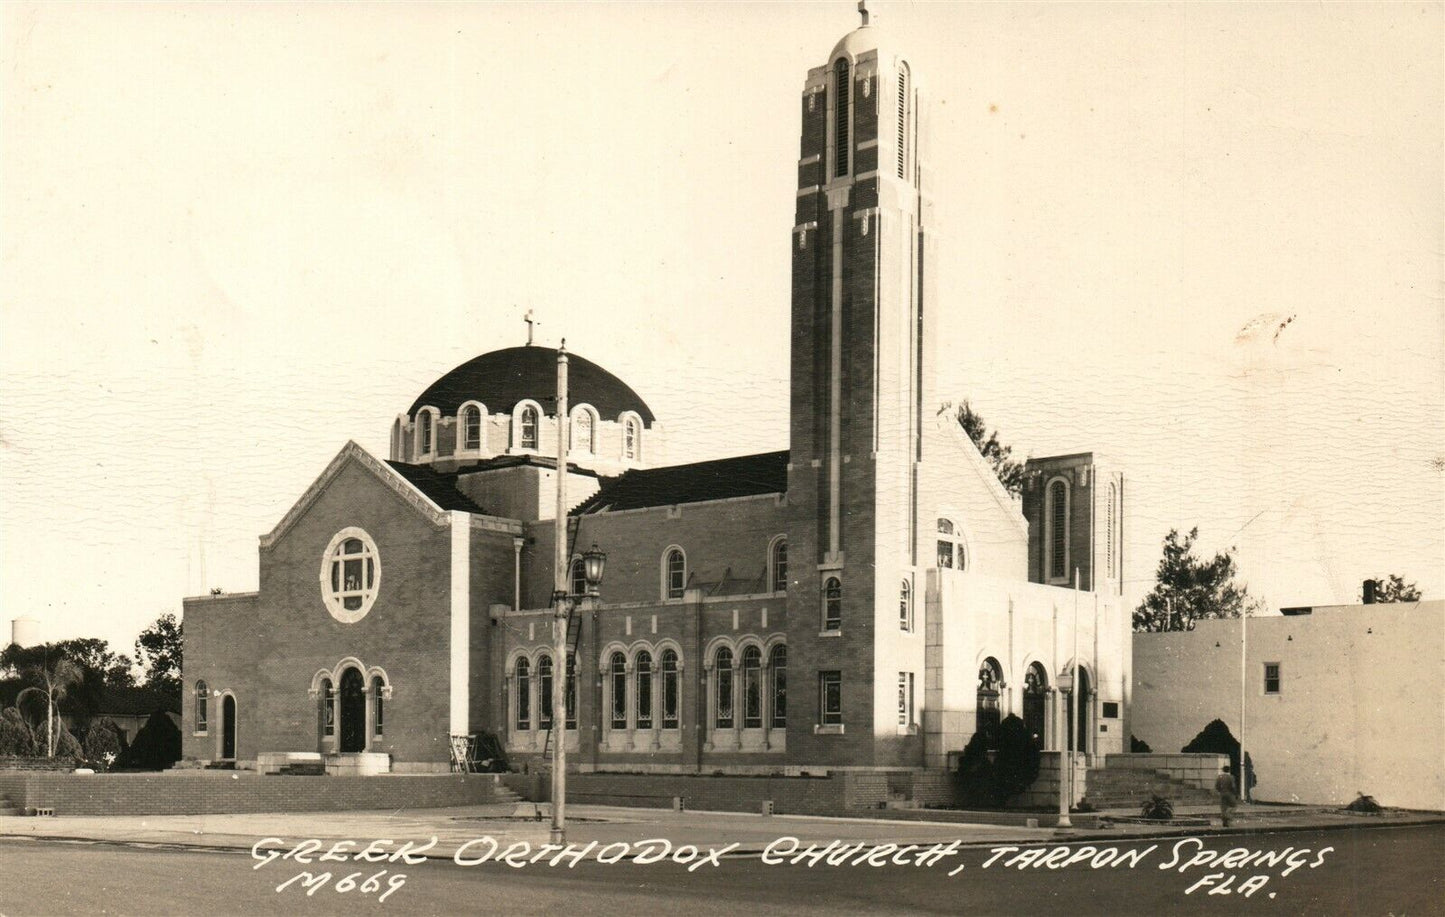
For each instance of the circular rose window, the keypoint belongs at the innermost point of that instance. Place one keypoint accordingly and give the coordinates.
(350, 575)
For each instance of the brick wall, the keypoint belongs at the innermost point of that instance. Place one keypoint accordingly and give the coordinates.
(222, 792)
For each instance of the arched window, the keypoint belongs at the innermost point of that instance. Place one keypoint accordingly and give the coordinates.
(902, 119)
(631, 438)
(674, 573)
(544, 691)
(778, 564)
(527, 428)
(426, 433)
(524, 695)
(950, 546)
(1036, 689)
(328, 708)
(832, 603)
(671, 699)
(990, 683)
(578, 575)
(1057, 521)
(723, 701)
(471, 427)
(582, 432)
(619, 691)
(752, 688)
(351, 571)
(644, 690)
(571, 690)
(378, 713)
(203, 703)
(905, 606)
(778, 664)
(840, 118)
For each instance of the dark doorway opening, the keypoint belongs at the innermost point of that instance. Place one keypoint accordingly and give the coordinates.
(353, 711)
(228, 728)
(1079, 723)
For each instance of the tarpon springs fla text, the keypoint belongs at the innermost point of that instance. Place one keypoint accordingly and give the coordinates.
(1236, 870)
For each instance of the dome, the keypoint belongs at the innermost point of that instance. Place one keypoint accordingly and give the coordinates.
(502, 378)
(862, 39)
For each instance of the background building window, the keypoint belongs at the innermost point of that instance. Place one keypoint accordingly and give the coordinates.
(524, 695)
(527, 428)
(644, 690)
(950, 546)
(830, 698)
(676, 568)
(779, 564)
(723, 702)
(778, 664)
(544, 692)
(619, 691)
(203, 703)
(905, 698)
(832, 604)
(471, 427)
(905, 606)
(1271, 678)
(671, 701)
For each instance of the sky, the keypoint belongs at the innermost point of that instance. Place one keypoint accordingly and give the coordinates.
(1205, 240)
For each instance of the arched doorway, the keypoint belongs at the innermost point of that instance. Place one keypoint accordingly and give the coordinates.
(1036, 689)
(353, 711)
(228, 728)
(990, 682)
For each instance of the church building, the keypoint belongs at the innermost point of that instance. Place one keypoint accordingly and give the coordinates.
(867, 598)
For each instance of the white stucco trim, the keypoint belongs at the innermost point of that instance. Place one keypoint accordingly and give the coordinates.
(461, 641)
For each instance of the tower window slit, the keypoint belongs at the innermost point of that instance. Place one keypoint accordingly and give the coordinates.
(840, 119)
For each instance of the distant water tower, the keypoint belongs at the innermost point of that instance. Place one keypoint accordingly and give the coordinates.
(25, 631)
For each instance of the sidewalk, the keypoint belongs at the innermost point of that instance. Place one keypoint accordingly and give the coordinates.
(454, 827)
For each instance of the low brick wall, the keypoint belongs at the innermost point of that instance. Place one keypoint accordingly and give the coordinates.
(1194, 769)
(60, 765)
(837, 793)
(218, 792)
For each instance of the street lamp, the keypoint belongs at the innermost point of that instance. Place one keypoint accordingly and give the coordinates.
(1065, 685)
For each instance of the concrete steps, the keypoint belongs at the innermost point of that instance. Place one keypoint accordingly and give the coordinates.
(504, 794)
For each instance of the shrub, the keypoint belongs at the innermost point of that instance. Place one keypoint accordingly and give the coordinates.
(67, 746)
(103, 739)
(1157, 808)
(16, 736)
(1216, 739)
(976, 778)
(157, 746)
(1016, 766)
(1365, 803)
(1139, 746)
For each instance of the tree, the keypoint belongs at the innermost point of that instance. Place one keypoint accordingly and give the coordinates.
(1017, 761)
(95, 654)
(99, 668)
(156, 747)
(1188, 589)
(1010, 473)
(159, 650)
(52, 681)
(1395, 589)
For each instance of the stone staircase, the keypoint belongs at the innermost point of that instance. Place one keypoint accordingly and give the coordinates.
(1118, 788)
(503, 794)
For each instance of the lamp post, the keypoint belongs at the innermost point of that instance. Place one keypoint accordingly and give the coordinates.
(563, 602)
(1066, 762)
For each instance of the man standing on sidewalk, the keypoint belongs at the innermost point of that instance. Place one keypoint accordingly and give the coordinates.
(1228, 799)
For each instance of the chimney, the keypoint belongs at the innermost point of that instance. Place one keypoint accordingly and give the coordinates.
(1369, 588)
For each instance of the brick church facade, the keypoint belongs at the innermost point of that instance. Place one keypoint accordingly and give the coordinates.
(868, 598)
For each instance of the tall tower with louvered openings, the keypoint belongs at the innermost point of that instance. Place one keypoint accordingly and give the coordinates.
(861, 375)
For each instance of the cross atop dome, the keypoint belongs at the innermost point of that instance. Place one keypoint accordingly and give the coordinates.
(863, 10)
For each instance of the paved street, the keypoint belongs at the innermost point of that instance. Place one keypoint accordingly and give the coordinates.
(1370, 870)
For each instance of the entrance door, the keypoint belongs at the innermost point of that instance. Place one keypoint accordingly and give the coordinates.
(1080, 733)
(353, 711)
(228, 728)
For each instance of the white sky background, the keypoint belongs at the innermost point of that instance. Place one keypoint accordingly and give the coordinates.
(234, 237)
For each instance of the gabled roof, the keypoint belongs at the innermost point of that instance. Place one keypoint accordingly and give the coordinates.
(720, 479)
(439, 487)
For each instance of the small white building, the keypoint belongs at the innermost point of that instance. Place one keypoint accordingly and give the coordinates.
(1338, 699)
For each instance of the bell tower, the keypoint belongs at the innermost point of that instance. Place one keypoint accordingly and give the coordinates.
(860, 364)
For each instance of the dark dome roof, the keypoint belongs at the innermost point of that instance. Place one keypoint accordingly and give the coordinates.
(503, 377)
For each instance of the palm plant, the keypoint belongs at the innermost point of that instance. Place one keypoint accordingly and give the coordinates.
(53, 681)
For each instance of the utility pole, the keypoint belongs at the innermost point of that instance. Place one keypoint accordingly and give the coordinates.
(561, 606)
